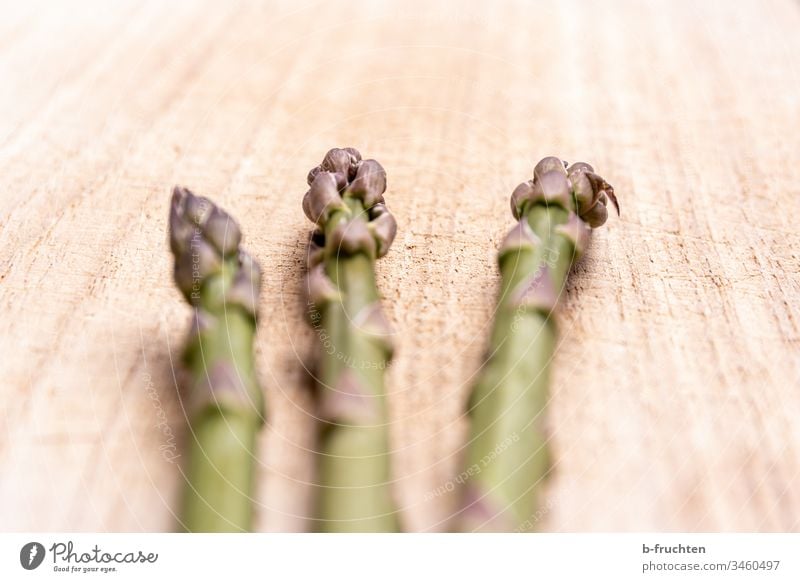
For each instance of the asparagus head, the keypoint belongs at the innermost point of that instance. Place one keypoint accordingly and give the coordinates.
(225, 404)
(354, 228)
(507, 456)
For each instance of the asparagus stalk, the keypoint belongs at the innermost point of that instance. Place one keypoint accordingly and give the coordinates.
(225, 407)
(507, 455)
(354, 228)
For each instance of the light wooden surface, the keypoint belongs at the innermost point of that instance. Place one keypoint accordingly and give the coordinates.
(677, 388)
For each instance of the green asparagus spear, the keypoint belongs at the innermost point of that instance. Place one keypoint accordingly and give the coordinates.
(225, 403)
(507, 455)
(345, 201)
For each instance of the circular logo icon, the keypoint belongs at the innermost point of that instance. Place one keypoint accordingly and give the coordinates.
(31, 555)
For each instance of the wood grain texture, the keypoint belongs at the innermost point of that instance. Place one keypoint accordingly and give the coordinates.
(677, 386)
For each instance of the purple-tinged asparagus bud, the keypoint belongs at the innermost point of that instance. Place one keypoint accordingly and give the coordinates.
(185, 279)
(355, 159)
(322, 198)
(246, 284)
(353, 237)
(604, 188)
(197, 208)
(591, 194)
(315, 255)
(372, 321)
(553, 183)
(312, 173)
(597, 215)
(585, 195)
(202, 236)
(579, 171)
(316, 249)
(520, 237)
(577, 231)
(553, 187)
(591, 200)
(383, 227)
(536, 292)
(355, 155)
(548, 164)
(369, 183)
(319, 289)
(579, 167)
(222, 231)
(181, 228)
(193, 266)
(522, 193)
(205, 259)
(221, 387)
(338, 162)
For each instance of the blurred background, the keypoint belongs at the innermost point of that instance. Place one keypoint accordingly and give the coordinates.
(677, 379)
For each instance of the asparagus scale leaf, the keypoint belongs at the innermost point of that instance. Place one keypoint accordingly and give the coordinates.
(507, 455)
(354, 228)
(225, 405)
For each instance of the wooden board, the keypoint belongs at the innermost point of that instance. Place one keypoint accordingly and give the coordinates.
(676, 394)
